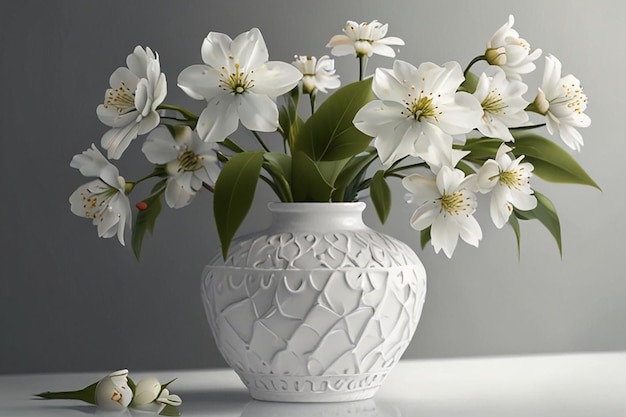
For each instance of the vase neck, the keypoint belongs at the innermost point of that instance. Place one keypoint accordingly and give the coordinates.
(317, 217)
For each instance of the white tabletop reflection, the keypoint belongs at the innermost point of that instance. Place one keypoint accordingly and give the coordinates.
(570, 385)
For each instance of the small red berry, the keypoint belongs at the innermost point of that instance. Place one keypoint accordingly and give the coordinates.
(142, 205)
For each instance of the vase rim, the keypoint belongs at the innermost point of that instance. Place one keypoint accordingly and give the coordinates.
(279, 206)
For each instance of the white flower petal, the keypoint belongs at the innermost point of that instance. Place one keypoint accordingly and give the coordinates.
(423, 188)
(258, 112)
(200, 82)
(461, 116)
(219, 119)
(215, 49)
(488, 176)
(116, 140)
(275, 78)
(90, 162)
(424, 216)
(469, 230)
(444, 236)
(250, 50)
(160, 147)
(176, 196)
(146, 391)
(113, 392)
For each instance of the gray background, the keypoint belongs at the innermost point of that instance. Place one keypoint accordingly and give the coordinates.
(71, 302)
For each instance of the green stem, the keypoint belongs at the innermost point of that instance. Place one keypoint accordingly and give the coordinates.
(130, 185)
(312, 98)
(186, 113)
(258, 138)
(87, 394)
(404, 167)
(472, 62)
(362, 66)
(528, 127)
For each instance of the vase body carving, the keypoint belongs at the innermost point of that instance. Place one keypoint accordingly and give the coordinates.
(316, 308)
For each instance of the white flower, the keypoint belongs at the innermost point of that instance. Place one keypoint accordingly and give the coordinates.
(170, 399)
(188, 160)
(102, 200)
(113, 392)
(508, 181)
(418, 111)
(448, 208)
(131, 102)
(317, 74)
(364, 39)
(146, 391)
(510, 52)
(502, 103)
(562, 101)
(151, 396)
(238, 83)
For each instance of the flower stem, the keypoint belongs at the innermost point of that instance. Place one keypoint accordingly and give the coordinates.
(186, 113)
(472, 62)
(258, 138)
(362, 66)
(528, 127)
(312, 98)
(87, 394)
(404, 167)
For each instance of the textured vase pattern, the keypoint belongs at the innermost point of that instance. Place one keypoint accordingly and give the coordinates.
(316, 314)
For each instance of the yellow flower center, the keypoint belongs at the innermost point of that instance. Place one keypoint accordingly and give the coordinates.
(421, 106)
(189, 161)
(574, 97)
(513, 179)
(96, 202)
(237, 82)
(494, 103)
(456, 203)
(122, 98)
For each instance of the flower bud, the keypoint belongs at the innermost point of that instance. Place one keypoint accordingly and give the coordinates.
(540, 105)
(363, 48)
(146, 391)
(113, 392)
(496, 56)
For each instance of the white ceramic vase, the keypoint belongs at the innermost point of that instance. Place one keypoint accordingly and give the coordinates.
(316, 308)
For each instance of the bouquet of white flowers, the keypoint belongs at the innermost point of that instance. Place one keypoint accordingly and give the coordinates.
(449, 134)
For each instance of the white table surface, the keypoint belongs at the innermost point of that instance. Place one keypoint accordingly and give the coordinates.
(571, 385)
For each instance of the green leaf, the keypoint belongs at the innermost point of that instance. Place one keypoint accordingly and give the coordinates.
(278, 165)
(131, 385)
(424, 237)
(234, 193)
(551, 162)
(87, 394)
(518, 236)
(146, 219)
(381, 195)
(466, 168)
(230, 145)
(481, 149)
(288, 119)
(348, 180)
(170, 411)
(470, 83)
(329, 133)
(308, 180)
(546, 213)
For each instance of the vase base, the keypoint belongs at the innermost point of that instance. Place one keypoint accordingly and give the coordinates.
(312, 389)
